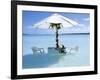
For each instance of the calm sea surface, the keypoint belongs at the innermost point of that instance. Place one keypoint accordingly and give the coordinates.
(79, 58)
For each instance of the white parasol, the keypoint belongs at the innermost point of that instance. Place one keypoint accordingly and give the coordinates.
(55, 18)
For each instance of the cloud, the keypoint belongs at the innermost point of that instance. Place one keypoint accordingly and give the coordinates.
(86, 19)
(81, 25)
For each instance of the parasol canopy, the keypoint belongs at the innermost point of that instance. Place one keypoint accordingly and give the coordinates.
(55, 18)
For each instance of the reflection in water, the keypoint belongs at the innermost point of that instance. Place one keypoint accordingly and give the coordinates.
(40, 60)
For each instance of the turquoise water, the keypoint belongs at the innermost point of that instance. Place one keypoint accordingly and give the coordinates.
(79, 58)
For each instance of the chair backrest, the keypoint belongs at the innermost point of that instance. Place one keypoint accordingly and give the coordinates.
(76, 48)
(34, 48)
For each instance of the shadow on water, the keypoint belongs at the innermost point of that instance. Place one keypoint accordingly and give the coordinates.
(40, 60)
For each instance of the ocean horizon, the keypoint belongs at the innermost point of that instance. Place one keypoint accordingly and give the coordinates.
(59, 34)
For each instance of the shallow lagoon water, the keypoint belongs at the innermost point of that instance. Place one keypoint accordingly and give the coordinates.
(79, 58)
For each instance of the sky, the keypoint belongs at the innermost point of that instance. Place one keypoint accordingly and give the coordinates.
(30, 18)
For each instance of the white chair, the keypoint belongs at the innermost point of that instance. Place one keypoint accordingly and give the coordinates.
(72, 50)
(37, 50)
